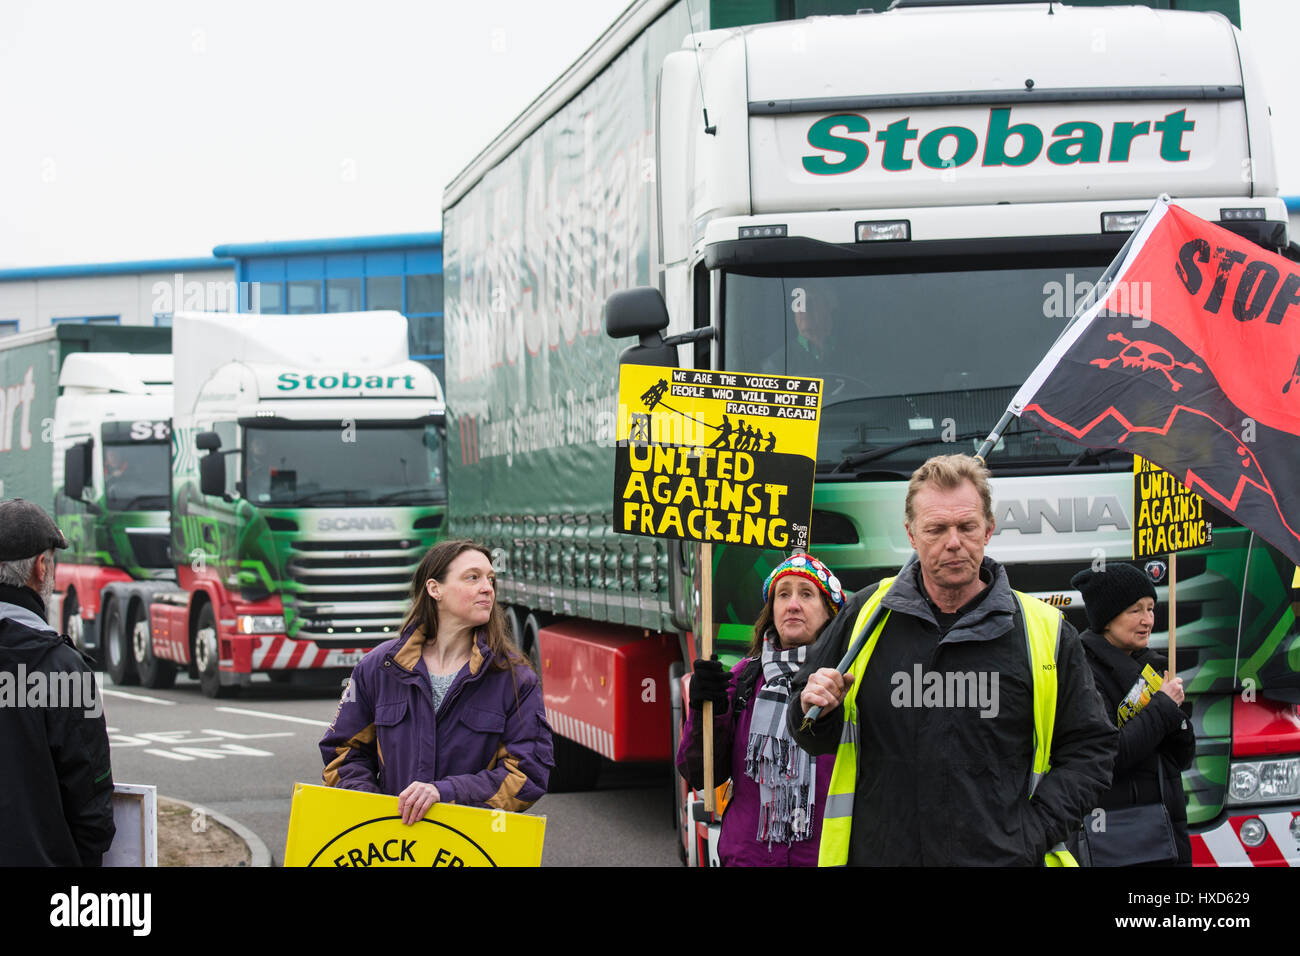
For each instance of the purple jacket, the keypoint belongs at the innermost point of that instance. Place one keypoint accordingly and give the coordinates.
(488, 745)
(738, 844)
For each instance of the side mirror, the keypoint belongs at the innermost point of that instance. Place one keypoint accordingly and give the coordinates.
(640, 312)
(76, 469)
(207, 441)
(212, 474)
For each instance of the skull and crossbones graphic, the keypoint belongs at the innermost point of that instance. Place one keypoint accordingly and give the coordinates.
(1145, 356)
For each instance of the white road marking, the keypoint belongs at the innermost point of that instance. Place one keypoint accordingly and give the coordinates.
(147, 700)
(210, 753)
(168, 753)
(261, 713)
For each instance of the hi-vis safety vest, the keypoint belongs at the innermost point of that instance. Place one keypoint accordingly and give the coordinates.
(1042, 633)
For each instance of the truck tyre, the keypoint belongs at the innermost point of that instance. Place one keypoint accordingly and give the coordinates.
(71, 624)
(154, 673)
(207, 655)
(119, 661)
(576, 767)
(515, 625)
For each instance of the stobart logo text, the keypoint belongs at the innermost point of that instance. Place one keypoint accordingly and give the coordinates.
(1004, 143)
(291, 381)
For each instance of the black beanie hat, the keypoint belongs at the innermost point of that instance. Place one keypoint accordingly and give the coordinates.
(1107, 593)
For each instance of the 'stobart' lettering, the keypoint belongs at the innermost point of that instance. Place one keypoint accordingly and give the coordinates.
(291, 381)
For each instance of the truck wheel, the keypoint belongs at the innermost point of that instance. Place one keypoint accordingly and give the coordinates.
(207, 655)
(71, 625)
(576, 767)
(154, 673)
(117, 646)
(515, 624)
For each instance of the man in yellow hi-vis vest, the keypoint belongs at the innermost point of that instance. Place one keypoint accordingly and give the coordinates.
(934, 726)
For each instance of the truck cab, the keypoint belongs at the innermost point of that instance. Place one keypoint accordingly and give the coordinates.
(307, 483)
(112, 475)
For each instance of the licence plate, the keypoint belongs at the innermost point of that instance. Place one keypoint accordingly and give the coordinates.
(341, 659)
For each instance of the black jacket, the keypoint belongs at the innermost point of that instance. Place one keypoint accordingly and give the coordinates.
(943, 785)
(1160, 731)
(56, 795)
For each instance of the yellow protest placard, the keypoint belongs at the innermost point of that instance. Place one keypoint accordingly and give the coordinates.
(334, 827)
(1167, 518)
(717, 457)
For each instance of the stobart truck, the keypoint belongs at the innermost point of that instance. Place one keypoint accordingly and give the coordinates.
(909, 205)
(307, 483)
(85, 416)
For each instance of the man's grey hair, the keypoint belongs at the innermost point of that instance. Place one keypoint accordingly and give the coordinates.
(18, 573)
(947, 472)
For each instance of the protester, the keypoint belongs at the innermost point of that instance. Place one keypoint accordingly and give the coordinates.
(936, 766)
(774, 814)
(56, 802)
(449, 711)
(1156, 742)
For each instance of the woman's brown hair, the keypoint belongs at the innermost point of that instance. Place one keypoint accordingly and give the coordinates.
(424, 609)
(764, 621)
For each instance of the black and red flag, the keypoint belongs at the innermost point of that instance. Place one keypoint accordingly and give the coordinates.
(1190, 357)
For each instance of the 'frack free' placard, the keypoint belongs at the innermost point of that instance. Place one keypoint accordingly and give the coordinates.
(347, 828)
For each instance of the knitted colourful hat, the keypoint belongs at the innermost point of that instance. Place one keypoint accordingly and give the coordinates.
(805, 565)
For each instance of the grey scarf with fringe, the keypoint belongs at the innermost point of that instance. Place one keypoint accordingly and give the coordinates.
(786, 775)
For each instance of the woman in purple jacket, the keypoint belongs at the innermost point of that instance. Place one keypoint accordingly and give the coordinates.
(778, 792)
(448, 712)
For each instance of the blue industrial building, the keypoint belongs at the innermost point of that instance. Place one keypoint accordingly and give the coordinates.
(402, 272)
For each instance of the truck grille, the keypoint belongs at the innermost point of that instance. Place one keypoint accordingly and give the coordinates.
(151, 546)
(352, 592)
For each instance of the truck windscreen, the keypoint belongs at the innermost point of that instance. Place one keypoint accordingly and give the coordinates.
(364, 465)
(137, 476)
(915, 363)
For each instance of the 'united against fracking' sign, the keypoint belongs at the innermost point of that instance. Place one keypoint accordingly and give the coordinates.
(1167, 517)
(717, 457)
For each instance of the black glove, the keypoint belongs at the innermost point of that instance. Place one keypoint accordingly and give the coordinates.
(709, 681)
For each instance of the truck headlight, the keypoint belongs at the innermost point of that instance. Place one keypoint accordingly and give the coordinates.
(1253, 832)
(260, 624)
(1263, 781)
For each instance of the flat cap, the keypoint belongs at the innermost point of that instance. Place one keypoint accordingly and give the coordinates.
(26, 530)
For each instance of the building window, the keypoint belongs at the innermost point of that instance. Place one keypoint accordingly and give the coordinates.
(423, 294)
(89, 320)
(342, 295)
(304, 297)
(8, 327)
(426, 336)
(384, 292)
(268, 298)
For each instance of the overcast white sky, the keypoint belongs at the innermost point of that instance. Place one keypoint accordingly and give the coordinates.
(140, 129)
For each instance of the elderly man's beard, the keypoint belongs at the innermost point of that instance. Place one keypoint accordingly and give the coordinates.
(47, 585)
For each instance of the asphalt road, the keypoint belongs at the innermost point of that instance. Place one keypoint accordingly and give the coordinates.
(241, 758)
